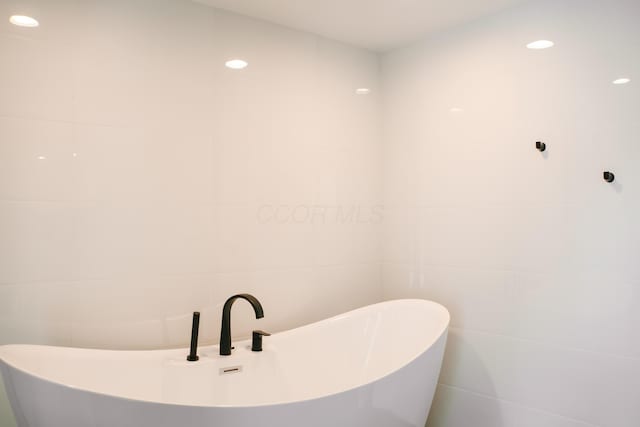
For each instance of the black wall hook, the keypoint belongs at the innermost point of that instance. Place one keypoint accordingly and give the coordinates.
(541, 146)
(608, 176)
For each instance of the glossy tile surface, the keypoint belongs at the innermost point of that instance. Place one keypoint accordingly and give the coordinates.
(534, 254)
(141, 179)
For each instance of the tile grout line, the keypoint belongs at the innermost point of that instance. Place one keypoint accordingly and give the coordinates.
(517, 404)
(542, 343)
(76, 281)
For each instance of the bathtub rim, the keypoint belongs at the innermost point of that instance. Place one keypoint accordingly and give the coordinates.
(442, 335)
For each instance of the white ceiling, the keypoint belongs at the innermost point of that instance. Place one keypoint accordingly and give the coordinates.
(373, 24)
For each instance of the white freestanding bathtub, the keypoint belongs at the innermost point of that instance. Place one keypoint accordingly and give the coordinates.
(372, 367)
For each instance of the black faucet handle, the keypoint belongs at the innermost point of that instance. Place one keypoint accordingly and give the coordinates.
(193, 353)
(256, 342)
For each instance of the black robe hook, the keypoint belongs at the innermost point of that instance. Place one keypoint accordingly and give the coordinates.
(608, 176)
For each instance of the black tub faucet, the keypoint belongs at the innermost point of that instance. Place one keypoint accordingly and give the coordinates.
(225, 334)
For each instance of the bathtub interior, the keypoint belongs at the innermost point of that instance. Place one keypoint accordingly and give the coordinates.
(313, 361)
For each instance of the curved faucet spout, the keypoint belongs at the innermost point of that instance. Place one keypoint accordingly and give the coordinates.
(225, 334)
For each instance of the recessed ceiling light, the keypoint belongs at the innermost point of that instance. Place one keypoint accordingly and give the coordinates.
(540, 44)
(42, 158)
(363, 91)
(456, 110)
(23, 21)
(621, 81)
(236, 64)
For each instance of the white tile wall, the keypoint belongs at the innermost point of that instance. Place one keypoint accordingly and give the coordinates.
(140, 180)
(534, 254)
(134, 168)
(582, 385)
(453, 407)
